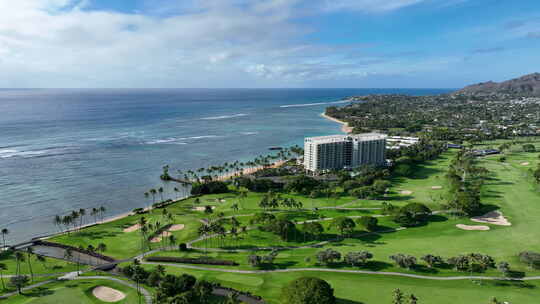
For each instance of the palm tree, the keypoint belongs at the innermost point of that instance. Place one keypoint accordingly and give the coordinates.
(172, 240)
(82, 213)
(29, 252)
(19, 257)
(66, 221)
(101, 247)
(203, 233)
(153, 193)
(2, 268)
(74, 217)
(42, 260)
(68, 254)
(94, 213)
(176, 192)
(5, 232)
(146, 195)
(102, 212)
(144, 230)
(160, 190)
(242, 194)
(58, 222)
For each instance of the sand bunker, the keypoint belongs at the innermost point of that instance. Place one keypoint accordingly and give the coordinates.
(436, 187)
(107, 294)
(525, 164)
(167, 233)
(202, 208)
(493, 217)
(133, 228)
(177, 227)
(158, 239)
(468, 227)
(405, 192)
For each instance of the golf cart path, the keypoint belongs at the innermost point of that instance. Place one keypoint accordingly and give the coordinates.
(385, 273)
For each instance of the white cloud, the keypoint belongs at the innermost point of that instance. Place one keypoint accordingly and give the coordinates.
(57, 43)
(368, 5)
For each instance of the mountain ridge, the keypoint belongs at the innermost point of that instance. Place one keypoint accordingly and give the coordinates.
(524, 85)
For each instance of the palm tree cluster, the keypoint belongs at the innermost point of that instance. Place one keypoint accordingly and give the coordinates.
(216, 228)
(75, 220)
(149, 230)
(237, 168)
(272, 200)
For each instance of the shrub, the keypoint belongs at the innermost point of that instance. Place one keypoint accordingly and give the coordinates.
(403, 260)
(530, 258)
(368, 222)
(328, 256)
(308, 290)
(412, 214)
(212, 187)
(529, 148)
(183, 247)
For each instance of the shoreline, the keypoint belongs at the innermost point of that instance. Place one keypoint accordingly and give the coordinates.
(344, 125)
(246, 171)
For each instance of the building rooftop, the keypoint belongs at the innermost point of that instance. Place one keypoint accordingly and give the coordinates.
(340, 138)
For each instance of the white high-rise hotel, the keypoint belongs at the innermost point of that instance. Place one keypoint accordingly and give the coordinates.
(344, 151)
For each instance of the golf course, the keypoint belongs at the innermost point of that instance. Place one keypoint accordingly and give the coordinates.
(509, 195)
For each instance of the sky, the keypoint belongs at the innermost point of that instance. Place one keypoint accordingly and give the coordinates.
(266, 43)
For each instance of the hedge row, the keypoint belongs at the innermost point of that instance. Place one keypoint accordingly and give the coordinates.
(204, 261)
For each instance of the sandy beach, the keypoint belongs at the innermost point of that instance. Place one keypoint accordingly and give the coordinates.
(248, 171)
(345, 126)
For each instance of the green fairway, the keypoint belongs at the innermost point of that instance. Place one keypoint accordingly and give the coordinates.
(50, 265)
(79, 292)
(376, 289)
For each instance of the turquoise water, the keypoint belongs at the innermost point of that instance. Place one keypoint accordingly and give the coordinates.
(68, 149)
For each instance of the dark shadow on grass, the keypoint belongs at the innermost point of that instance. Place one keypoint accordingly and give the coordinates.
(345, 301)
(424, 269)
(517, 284)
(38, 292)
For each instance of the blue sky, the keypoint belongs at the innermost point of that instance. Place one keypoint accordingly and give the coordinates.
(266, 43)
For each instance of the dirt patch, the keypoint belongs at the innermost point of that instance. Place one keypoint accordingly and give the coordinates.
(493, 217)
(107, 294)
(405, 192)
(202, 208)
(436, 187)
(133, 228)
(525, 164)
(475, 227)
(177, 227)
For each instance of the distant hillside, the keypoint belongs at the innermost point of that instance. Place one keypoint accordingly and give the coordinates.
(525, 85)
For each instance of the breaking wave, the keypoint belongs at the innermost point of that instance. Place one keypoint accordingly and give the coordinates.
(224, 116)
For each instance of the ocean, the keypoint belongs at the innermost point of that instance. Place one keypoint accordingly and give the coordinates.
(65, 149)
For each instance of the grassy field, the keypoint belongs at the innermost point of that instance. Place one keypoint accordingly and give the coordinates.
(374, 289)
(79, 292)
(49, 266)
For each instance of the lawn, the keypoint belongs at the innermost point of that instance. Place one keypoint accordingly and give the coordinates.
(79, 292)
(49, 266)
(376, 289)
